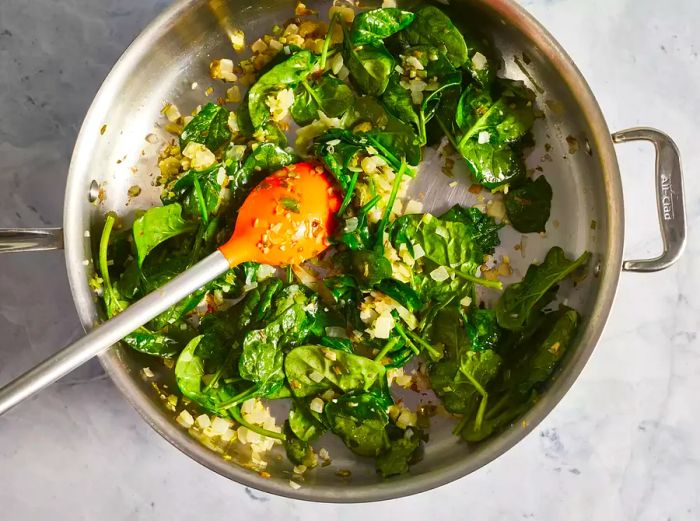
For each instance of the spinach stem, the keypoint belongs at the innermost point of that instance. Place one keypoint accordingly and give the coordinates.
(434, 353)
(240, 397)
(409, 342)
(235, 413)
(389, 346)
(200, 200)
(478, 125)
(349, 193)
(220, 370)
(104, 245)
(389, 205)
(422, 136)
(312, 94)
(484, 400)
(370, 204)
(327, 42)
(496, 284)
(449, 135)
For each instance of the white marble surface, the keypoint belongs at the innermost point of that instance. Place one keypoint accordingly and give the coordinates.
(625, 442)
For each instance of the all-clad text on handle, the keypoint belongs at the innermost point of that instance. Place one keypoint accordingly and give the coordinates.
(669, 198)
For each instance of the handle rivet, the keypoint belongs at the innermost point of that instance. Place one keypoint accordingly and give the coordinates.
(94, 191)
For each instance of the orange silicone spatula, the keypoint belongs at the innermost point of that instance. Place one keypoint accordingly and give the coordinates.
(285, 220)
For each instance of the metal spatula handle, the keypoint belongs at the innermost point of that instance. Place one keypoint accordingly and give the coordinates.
(112, 331)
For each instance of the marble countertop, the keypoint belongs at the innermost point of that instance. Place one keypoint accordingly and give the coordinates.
(624, 444)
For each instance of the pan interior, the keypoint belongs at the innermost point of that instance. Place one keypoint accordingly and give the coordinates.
(572, 150)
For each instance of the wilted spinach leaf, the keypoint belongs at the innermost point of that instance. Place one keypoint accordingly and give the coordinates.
(518, 299)
(392, 137)
(528, 206)
(209, 128)
(370, 66)
(157, 225)
(377, 24)
(285, 74)
(347, 372)
(360, 420)
(330, 95)
(432, 27)
(396, 459)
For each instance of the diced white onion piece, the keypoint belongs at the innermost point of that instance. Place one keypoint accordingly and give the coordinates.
(413, 206)
(185, 419)
(383, 325)
(265, 271)
(418, 251)
(350, 225)
(316, 377)
(479, 61)
(440, 274)
(466, 302)
(484, 137)
(316, 405)
(203, 421)
(220, 425)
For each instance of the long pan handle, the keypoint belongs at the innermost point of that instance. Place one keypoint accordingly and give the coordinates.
(112, 331)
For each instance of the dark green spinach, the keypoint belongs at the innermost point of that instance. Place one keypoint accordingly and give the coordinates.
(528, 206)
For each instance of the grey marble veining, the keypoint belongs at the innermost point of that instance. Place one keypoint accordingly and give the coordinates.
(625, 442)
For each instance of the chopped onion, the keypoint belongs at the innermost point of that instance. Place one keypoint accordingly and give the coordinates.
(316, 377)
(316, 405)
(440, 274)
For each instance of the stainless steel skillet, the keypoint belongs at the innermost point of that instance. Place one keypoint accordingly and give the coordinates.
(175, 50)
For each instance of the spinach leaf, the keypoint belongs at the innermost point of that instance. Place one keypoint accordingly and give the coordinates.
(152, 343)
(392, 137)
(460, 382)
(303, 424)
(262, 160)
(377, 24)
(370, 66)
(441, 76)
(366, 266)
(446, 243)
(432, 27)
(483, 228)
(209, 128)
(261, 359)
(338, 149)
(396, 459)
(525, 371)
(397, 99)
(189, 370)
(540, 359)
(298, 450)
(157, 225)
(144, 340)
(285, 74)
(502, 414)
(492, 165)
(198, 191)
(360, 420)
(330, 95)
(401, 293)
(529, 205)
(483, 329)
(518, 299)
(489, 129)
(334, 369)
